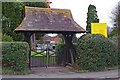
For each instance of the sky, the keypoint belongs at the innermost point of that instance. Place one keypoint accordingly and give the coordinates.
(79, 9)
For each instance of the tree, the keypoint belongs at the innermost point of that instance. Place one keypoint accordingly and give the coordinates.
(13, 14)
(74, 39)
(37, 4)
(114, 32)
(91, 17)
(6, 38)
(116, 19)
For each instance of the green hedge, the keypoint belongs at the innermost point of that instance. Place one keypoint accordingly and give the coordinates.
(95, 52)
(15, 55)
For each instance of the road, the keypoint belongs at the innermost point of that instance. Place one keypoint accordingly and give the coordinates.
(64, 73)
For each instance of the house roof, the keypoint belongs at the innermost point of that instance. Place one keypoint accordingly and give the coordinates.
(55, 39)
(49, 20)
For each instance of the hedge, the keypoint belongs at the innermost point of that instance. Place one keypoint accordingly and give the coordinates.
(15, 55)
(95, 52)
(61, 54)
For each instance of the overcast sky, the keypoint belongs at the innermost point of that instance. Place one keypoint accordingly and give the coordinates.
(79, 8)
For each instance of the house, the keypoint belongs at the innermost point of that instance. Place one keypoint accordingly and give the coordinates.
(49, 39)
(46, 39)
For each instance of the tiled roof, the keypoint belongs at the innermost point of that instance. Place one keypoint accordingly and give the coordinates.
(49, 20)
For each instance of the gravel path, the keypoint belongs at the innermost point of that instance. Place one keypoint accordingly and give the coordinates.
(51, 70)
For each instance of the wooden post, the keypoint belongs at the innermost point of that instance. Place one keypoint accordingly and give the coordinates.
(47, 54)
(27, 39)
(69, 46)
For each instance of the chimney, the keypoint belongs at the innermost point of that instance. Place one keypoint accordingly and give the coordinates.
(48, 2)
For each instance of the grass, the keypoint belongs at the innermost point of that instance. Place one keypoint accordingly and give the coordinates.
(13, 72)
(39, 54)
(0, 70)
(76, 68)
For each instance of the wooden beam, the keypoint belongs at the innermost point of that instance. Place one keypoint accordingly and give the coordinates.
(69, 47)
(27, 39)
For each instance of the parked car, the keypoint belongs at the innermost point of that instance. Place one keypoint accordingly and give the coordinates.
(50, 46)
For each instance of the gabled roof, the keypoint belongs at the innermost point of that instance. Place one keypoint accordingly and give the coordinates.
(49, 20)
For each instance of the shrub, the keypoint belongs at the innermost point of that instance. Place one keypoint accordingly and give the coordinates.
(61, 52)
(115, 39)
(95, 52)
(15, 55)
(63, 57)
(6, 38)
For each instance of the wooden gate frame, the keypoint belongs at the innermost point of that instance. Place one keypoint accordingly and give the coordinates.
(68, 42)
(48, 56)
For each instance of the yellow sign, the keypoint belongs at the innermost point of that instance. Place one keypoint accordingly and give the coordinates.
(99, 28)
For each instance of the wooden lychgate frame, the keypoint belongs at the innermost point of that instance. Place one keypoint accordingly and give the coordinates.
(49, 20)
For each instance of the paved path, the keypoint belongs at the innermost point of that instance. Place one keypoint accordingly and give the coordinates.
(64, 73)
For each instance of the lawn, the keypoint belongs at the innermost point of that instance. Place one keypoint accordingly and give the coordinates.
(13, 72)
(40, 54)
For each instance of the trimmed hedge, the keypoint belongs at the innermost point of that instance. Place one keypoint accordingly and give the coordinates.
(15, 55)
(95, 52)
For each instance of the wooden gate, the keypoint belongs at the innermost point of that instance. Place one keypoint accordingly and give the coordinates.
(43, 57)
